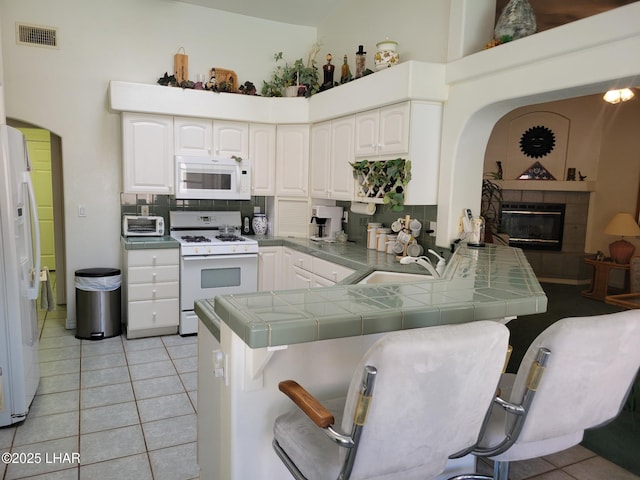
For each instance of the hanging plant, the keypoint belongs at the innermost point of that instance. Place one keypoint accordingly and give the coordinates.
(386, 179)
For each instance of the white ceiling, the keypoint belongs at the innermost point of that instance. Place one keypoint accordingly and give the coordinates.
(298, 12)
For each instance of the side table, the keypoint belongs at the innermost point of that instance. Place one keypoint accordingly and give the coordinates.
(626, 300)
(600, 281)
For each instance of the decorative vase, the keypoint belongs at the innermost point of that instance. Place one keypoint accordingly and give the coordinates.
(259, 224)
(387, 54)
(517, 20)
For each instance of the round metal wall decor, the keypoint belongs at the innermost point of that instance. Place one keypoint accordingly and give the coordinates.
(536, 142)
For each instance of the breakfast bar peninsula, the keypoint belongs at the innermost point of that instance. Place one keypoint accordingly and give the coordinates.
(248, 343)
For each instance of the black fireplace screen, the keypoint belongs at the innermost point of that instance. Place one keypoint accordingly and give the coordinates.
(533, 225)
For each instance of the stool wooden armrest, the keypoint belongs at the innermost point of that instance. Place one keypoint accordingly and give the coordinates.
(307, 403)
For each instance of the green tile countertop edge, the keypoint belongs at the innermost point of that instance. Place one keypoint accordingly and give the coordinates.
(479, 284)
(138, 243)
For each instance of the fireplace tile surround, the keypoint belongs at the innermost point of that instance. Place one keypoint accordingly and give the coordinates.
(565, 266)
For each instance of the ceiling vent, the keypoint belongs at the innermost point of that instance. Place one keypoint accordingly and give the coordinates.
(36, 35)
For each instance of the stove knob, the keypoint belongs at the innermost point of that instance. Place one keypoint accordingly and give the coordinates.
(234, 248)
(197, 250)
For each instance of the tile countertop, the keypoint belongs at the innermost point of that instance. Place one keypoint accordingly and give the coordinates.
(486, 283)
(139, 243)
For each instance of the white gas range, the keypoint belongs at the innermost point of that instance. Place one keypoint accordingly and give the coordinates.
(214, 259)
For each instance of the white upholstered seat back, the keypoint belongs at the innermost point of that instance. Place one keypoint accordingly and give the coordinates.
(592, 364)
(433, 387)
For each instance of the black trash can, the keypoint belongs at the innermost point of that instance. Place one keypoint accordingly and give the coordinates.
(98, 303)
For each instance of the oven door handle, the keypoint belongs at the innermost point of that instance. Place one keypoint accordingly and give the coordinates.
(221, 256)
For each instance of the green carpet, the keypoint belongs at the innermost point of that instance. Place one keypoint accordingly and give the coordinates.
(619, 441)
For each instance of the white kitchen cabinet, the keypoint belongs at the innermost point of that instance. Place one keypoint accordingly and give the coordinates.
(262, 155)
(320, 160)
(148, 163)
(151, 292)
(424, 125)
(292, 160)
(342, 154)
(193, 136)
(230, 139)
(330, 271)
(307, 271)
(205, 137)
(383, 131)
(301, 278)
(269, 269)
(331, 151)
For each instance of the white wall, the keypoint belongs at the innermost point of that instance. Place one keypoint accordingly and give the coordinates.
(420, 27)
(65, 90)
(576, 59)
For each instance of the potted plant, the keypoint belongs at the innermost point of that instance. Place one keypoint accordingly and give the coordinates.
(385, 179)
(305, 77)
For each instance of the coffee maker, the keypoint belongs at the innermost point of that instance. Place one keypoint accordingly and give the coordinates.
(328, 222)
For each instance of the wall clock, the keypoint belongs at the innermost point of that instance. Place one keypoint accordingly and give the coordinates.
(536, 142)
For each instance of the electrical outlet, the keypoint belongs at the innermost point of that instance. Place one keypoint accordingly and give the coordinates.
(433, 226)
(144, 210)
(345, 217)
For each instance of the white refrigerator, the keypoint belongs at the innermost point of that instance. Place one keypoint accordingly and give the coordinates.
(19, 280)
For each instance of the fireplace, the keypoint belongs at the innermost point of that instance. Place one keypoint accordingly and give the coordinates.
(535, 226)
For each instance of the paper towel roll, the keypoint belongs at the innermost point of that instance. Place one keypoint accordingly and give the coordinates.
(363, 208)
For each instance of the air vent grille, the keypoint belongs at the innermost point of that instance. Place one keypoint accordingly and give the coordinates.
(36, 35)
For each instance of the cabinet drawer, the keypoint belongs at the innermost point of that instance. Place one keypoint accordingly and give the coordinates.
(149, 258)
(153, 313)
(163, 273)
(153, 291)
(302, 260)
(329, 270)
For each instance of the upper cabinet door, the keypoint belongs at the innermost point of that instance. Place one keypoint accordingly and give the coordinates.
(342, 154)
(230, 139)
(193, 136)
(383, 131)
(292, 160)
(147, 153)
(262, 154)
(393, 135)
(320, 161)
(366, 138)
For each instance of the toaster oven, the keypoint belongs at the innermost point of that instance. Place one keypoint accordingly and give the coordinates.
(142, 226)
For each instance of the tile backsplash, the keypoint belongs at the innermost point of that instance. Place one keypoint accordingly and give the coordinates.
(131, 204)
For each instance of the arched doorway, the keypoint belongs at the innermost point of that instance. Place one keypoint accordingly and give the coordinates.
(45, 154)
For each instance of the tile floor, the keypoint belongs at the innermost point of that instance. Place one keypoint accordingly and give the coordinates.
(128, 408)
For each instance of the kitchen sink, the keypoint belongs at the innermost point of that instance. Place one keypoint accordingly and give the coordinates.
(380, 276)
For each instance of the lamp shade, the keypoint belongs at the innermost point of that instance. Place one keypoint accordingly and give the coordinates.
(622, 225)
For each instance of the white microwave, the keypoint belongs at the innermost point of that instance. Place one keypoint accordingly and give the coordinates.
(212, 178)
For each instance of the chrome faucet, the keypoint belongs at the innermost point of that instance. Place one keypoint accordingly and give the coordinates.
(423, 262)
(426, 263)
